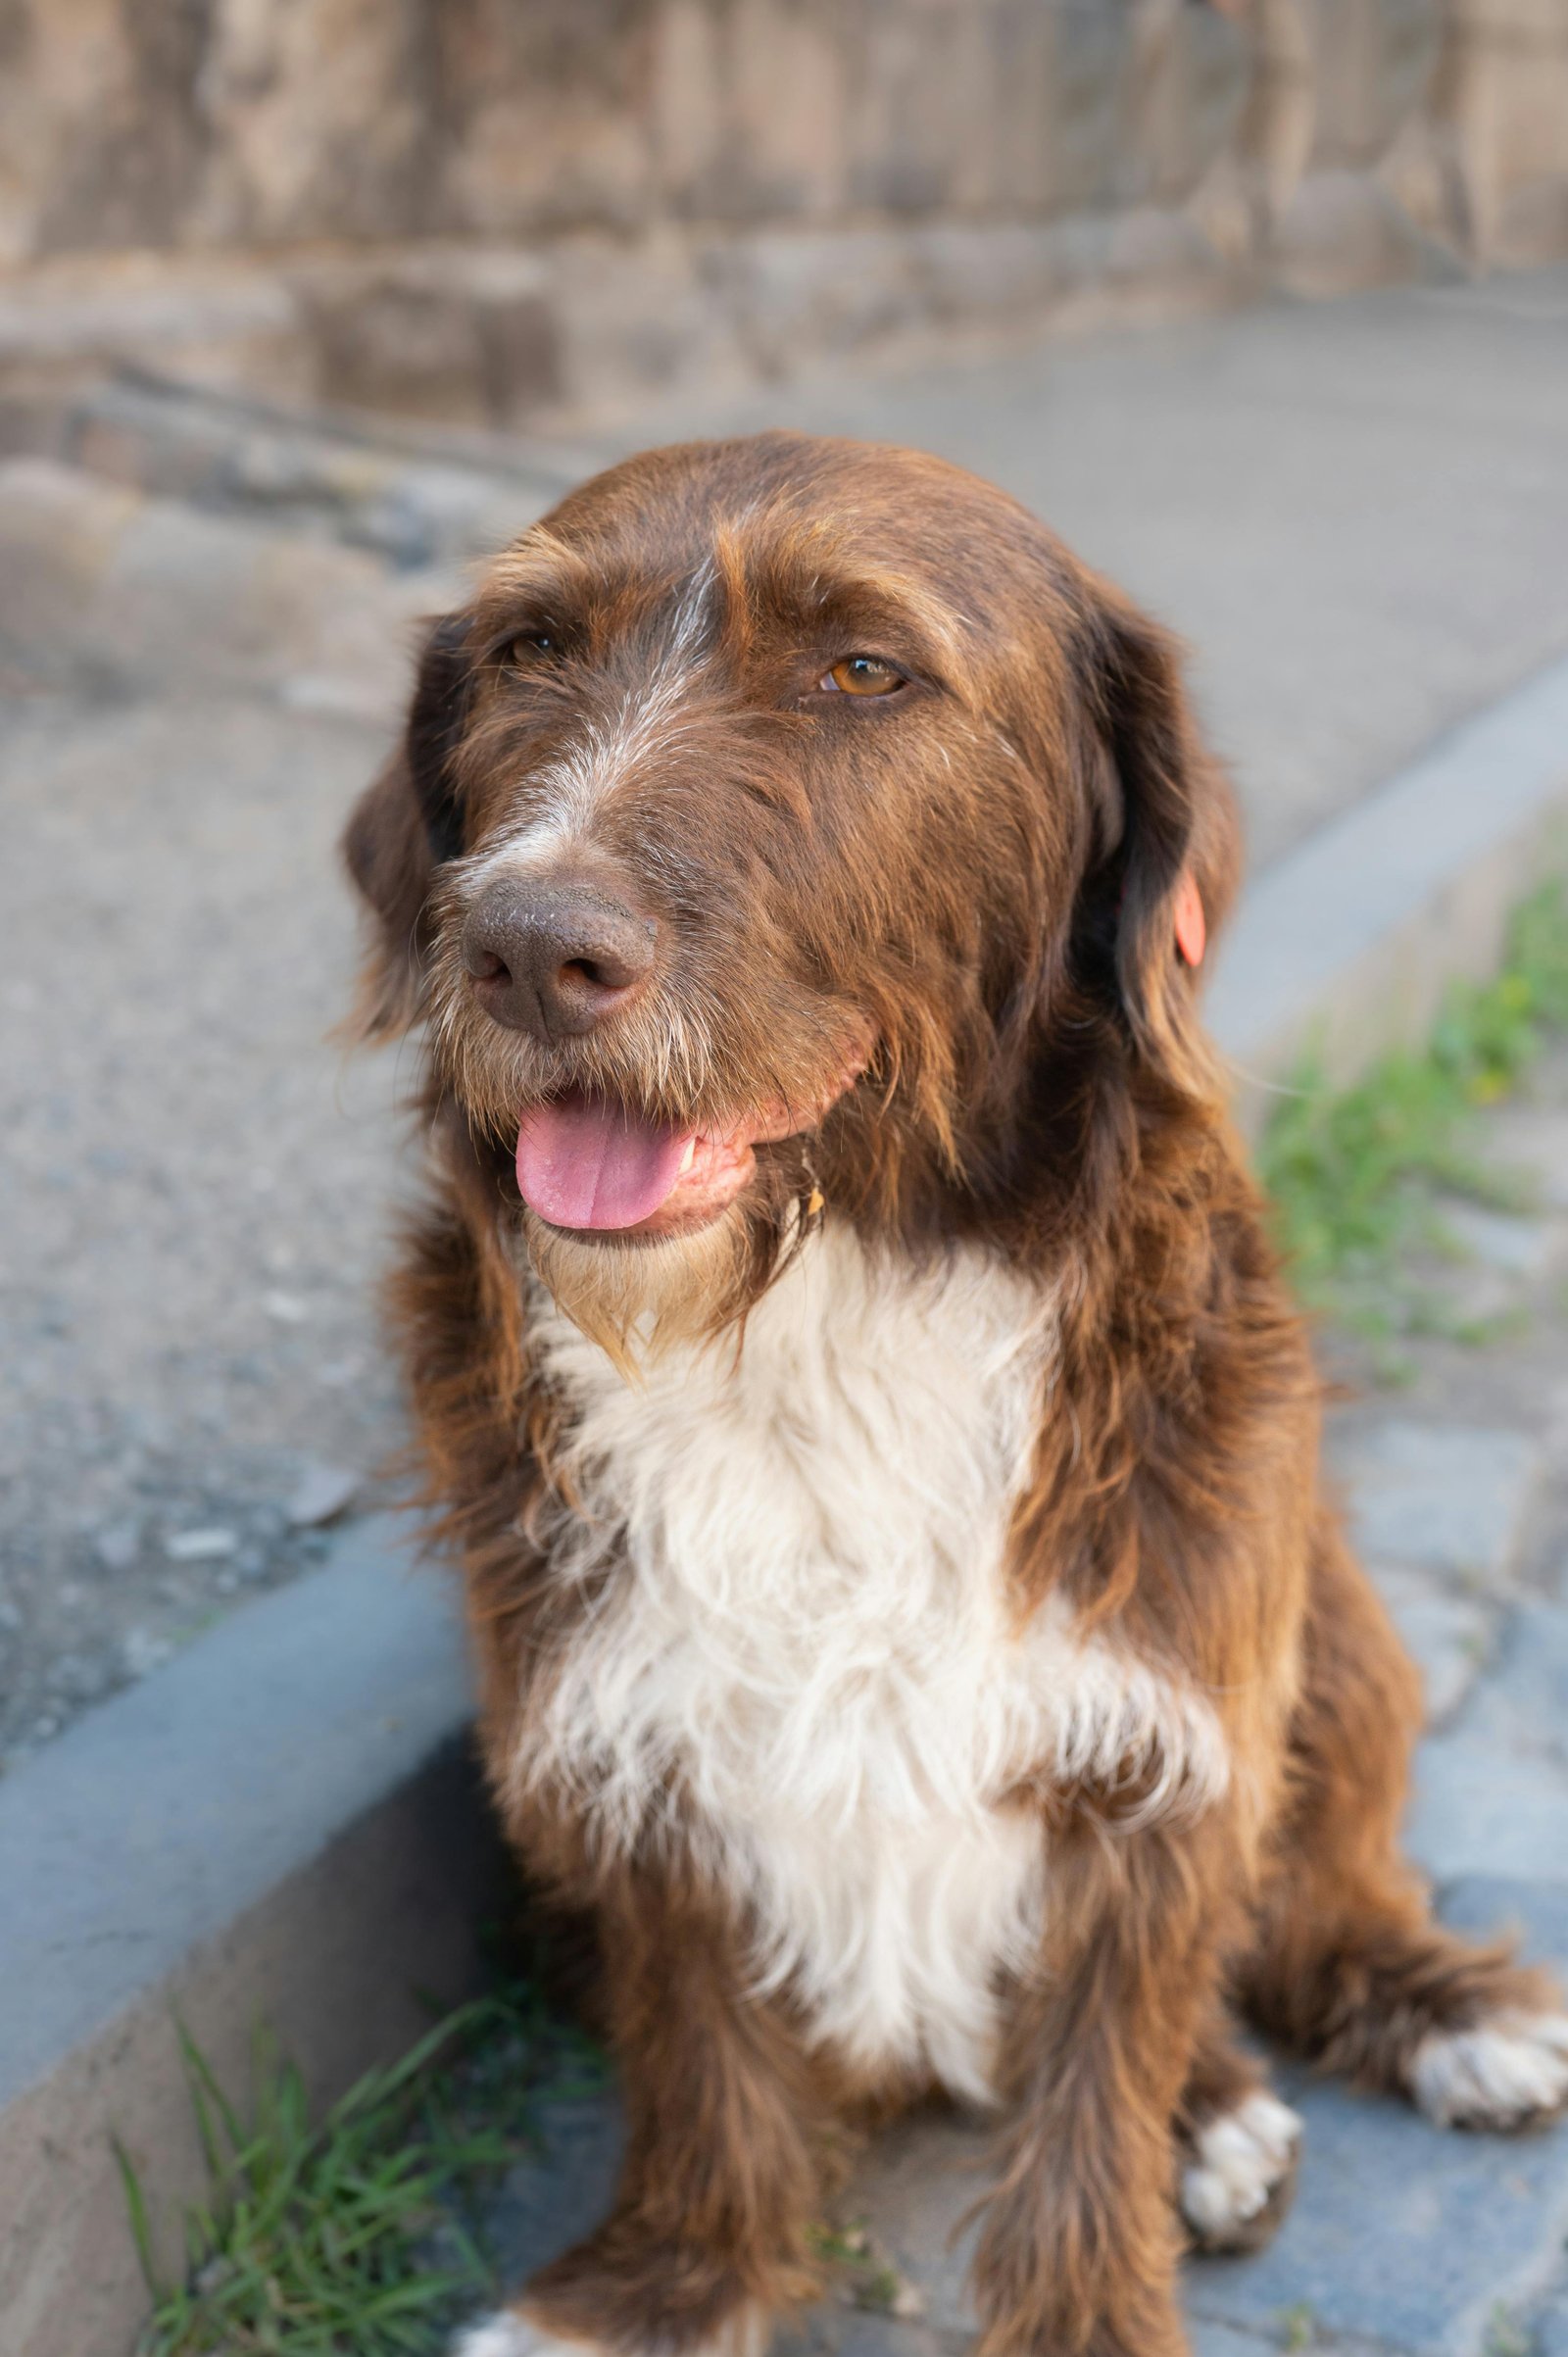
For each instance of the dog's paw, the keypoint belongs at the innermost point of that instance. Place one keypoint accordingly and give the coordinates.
(507, 2335)
(1238, 2174)
(1503, 2073)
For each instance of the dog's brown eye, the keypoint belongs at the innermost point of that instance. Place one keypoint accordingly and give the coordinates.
(534, 645)
(864, 675)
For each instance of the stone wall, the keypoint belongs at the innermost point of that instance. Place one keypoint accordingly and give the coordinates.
(486, 210)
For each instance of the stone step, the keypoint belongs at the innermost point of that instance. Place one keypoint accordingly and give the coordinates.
(103, 589)
(412, 496)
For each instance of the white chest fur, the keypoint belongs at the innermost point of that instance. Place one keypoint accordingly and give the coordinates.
(806, 1628)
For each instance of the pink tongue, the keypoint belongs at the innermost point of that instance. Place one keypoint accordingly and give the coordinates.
(585, 1162)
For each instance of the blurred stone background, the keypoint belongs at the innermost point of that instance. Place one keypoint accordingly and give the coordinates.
(494, 214)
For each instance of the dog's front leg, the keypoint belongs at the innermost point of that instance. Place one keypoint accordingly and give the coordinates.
(1079, 2252)
(706, 2240)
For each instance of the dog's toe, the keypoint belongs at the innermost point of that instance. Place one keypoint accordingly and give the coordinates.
(1505, 2072)
(1239, 2172)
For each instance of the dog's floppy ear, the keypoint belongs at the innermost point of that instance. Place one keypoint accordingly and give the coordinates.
(1170, 838)
(401, 829)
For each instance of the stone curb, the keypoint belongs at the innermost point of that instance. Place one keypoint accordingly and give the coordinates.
(280, 1827)
(282, 1823)
(1345, 948)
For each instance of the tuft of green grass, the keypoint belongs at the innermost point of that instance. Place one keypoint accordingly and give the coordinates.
(1355, 1173)
(355, 2235)
(866, 2279)
(837, 2245)
(1506, 2335)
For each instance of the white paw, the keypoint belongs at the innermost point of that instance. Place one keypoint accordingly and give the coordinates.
(1238, 2159)
(1503, 2072)
(506, 2334)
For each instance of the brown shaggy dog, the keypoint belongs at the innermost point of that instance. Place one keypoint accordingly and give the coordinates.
(850, 1368)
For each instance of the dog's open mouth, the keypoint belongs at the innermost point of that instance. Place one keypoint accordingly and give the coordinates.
(593, 1163)
(599, 1166)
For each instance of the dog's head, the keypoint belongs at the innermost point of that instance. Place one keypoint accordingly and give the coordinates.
(787, 819)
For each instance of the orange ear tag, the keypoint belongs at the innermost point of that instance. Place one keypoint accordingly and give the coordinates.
(1192, 934)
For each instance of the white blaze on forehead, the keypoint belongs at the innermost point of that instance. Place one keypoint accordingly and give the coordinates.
(567, 793)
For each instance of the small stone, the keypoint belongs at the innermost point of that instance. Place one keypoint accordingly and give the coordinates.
(286, 1307)
(320, 1493)
(206, 1546)
(1447, 1498)
(118, 1545)
(141, 1651)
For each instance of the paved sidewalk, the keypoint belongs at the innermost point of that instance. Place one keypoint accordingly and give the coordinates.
(1404, 2241)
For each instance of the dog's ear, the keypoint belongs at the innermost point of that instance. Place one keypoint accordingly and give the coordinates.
(1169, 840)
(403, 826)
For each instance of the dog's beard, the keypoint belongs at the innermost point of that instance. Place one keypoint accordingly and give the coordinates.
(637, 1301)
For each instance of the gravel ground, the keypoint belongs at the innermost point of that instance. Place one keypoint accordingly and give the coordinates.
(198, 1184)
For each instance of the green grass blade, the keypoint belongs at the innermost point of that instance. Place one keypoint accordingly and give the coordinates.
(141, 2231)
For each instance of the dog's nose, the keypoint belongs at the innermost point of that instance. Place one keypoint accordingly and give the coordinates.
(554, 958)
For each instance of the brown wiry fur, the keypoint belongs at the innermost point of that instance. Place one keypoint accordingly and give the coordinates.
(982, 880)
